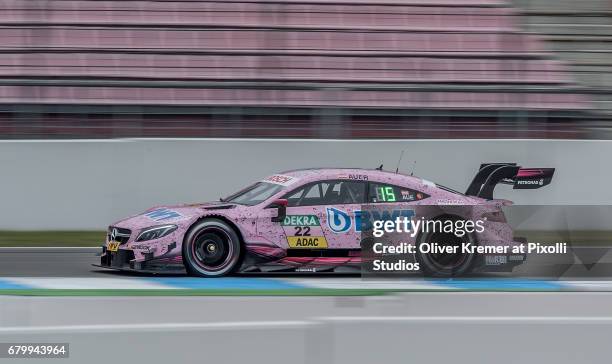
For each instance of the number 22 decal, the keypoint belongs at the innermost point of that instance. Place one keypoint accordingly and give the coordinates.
(302, 231)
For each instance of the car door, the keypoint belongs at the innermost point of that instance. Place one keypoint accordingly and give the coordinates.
(321, 215)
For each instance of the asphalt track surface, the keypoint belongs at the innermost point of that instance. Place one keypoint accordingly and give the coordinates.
(416, 327)
(77, 262)
(49, 262)
(63, 262)
(411, 327)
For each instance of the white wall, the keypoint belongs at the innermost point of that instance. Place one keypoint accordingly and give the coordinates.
(86, 184)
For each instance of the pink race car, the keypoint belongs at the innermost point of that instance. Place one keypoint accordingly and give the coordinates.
(316, 220)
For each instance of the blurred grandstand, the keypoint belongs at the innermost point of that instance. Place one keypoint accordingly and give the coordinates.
(305, 68)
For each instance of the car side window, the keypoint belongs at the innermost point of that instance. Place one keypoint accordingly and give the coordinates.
(386, 193)
(335, 192)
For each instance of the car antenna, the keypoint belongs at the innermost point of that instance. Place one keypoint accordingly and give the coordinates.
(399, 161)
(413, 168)
(379, 168)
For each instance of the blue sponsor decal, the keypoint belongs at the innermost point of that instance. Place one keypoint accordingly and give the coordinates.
(162, 214)
(365, 219)
(340, 221)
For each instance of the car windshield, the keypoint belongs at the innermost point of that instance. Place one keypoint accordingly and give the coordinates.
(254, 194)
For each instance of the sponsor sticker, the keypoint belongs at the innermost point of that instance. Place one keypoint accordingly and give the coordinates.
(162, 214)
(408, 195)
(146, 248)
(495, 259)
(306, 269)
(536, 182)
(307, 242)
(280, 179)
(112, 246)
(428, 183)
(304, 231)
(340, 221)
(337, 220)
(301, 220)
(446, 201)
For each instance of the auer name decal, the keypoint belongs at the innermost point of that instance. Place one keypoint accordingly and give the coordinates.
(357, 177)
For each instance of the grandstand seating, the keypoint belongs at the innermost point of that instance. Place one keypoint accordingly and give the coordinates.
(579, 33)
(238, 59)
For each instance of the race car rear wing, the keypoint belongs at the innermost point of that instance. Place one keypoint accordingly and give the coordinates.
(490, 174)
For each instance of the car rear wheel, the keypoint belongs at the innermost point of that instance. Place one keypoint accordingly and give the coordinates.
(211, 249)
(445, 264)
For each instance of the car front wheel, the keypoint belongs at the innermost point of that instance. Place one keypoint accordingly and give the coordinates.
(211, 249)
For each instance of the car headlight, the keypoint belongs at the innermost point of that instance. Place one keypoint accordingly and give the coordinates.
(155, 232)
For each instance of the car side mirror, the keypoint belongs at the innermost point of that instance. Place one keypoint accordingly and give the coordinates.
(281, 205)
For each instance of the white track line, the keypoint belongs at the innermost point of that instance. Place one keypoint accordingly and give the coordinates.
(508, 319)
(156, 327)
(301, 324)
(87, 283)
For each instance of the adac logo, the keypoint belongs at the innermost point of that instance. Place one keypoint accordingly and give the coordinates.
(338, 220)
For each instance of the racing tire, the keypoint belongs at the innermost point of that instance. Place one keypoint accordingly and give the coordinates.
(211, 248)
(444, 265)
